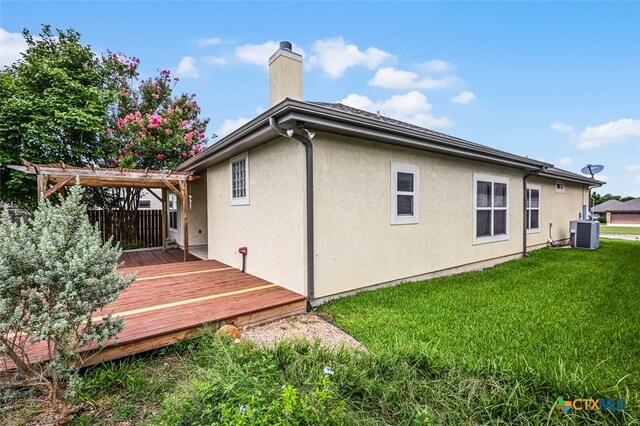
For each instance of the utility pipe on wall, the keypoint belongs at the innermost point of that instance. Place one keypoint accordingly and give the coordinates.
(306, 141)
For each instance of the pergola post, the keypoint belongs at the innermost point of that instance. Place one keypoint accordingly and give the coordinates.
(164, 219)
(42, 187)
(184, 190)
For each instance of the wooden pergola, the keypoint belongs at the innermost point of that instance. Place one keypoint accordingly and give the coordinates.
(53, 178)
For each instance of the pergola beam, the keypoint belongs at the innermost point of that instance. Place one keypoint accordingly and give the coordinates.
(61, 175)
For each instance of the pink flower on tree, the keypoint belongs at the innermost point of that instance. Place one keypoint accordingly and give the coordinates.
(160, 156)
(155, 121)
(167, 131)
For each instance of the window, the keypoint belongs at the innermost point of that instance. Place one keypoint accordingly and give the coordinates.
(404, 193)
(559, 187)
(533, 208)
(239, 169)
(145, 204)
(491, 209)
(173, 212)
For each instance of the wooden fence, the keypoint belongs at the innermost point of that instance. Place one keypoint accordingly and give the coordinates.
(149, 229)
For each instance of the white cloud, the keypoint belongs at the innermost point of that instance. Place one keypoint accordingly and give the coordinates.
(437, 66)
(188, 67)
(609, 133)
(334, 56)
(637, 180)
(214, 60)
(391, 78)
(11, 45)
(412, 107)
(229, 125)
(465, 98)
(632, 168)
(564, 162)
(259, 54)
(212, 41)
(561, 127)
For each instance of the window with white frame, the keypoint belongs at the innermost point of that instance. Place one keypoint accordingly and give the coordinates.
(533, 208)
(491, 208)
(239, 169)
(145, 204)
(559, 186)
(173, 212)
(404, 193)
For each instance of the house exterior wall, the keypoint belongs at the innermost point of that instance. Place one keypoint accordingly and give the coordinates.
(272, 224)
(356, 245)
(197, 216)
(154, 203)
(557, 209)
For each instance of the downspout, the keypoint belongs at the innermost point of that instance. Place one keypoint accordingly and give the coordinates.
(306, 141)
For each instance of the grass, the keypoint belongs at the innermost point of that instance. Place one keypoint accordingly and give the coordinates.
(561, 322)
(491, 347)
(631, 230)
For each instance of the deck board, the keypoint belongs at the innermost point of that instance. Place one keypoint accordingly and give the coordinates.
(137, 258)
(181, 286)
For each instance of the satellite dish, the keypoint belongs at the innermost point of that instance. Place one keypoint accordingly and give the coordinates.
(592, 169)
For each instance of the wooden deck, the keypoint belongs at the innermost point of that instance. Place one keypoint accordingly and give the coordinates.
(136, 258)
(174, 301)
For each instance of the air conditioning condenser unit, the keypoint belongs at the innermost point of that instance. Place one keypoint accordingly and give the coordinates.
(584, 234)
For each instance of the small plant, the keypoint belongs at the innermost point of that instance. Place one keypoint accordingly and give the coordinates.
(55, 272)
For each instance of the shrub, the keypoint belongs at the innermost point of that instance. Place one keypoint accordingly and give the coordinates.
(55, 272)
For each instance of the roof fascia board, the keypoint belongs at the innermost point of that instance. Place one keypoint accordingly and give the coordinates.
(559, 176)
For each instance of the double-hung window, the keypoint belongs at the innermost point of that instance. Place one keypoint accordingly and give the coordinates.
(173, 212)
(239, 169)
(533, 208)
(404, 193)
(491, 209)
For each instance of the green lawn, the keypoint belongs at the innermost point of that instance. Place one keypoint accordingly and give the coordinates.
(633, 230)
(564, 322)
(491, 347)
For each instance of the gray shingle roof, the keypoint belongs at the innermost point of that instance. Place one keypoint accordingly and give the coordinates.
(629, 206)
(393, 121)
(606, 206)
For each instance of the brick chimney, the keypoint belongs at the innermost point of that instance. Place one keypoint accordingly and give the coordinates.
(285, 74)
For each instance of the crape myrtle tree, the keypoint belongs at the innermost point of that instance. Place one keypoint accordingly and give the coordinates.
(55, 273)
(63, 102)
(149, 127)
(54, 105)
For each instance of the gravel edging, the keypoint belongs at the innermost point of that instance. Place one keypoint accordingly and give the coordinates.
(304, 326)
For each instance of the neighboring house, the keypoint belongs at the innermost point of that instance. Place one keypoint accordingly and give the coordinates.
(627, 213)
(330, 199)
(148, 201)
(604, 209)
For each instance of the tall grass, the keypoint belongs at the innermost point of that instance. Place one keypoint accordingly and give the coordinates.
(559, 323)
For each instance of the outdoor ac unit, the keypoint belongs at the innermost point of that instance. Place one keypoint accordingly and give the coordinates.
(584, 234)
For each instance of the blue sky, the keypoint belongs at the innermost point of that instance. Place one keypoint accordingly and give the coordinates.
(555, 81)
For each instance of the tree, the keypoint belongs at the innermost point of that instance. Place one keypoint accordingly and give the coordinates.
(54, 106)
(150, 128)
(599, 199)
(55, 273)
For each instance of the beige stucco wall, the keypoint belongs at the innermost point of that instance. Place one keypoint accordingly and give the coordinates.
(272, 226)
(557, 208)
(197, 215)
(356, 246)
